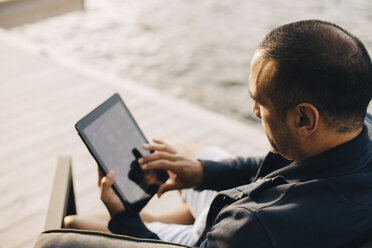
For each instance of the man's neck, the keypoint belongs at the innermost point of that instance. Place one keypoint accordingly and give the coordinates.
(324, 141)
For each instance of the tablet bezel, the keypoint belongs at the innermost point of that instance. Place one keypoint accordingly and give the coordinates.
(91, 117)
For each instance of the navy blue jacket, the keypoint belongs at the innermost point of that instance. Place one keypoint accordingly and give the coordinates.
(325, 201)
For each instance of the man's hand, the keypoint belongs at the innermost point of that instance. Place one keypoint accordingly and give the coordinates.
(184, 172)
(108, 195)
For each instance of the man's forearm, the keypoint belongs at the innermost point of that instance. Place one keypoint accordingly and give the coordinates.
(229, 173)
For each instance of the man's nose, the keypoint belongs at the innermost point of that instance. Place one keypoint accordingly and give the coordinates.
(256, 110)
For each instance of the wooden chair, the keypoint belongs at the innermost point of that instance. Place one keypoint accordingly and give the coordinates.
(62, 203)
(62, 199)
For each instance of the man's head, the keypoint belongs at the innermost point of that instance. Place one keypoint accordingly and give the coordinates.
(310, 69)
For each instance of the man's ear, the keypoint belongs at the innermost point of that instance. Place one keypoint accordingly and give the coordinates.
(307, 119)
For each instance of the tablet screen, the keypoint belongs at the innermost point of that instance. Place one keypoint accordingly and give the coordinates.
(113, 136)
(114, 139)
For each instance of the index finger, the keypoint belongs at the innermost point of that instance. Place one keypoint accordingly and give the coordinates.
(161, 164)
(159, 148)
(157, 156)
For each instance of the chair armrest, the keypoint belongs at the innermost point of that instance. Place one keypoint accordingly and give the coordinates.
(66, 238)
(62, 199)
(62, 203)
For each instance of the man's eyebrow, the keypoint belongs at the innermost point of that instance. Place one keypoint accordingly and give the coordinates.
(251, 95)
(256, 99)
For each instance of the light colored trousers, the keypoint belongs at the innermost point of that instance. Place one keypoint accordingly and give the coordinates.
(198, 202)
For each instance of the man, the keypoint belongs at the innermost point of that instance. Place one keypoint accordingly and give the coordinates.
(311, 82)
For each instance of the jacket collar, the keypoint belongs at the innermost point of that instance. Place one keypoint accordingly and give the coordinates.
(340, 160)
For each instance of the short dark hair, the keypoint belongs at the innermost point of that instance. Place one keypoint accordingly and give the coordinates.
(320, 63)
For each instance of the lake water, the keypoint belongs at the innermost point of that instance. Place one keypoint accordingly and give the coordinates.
(196, 50)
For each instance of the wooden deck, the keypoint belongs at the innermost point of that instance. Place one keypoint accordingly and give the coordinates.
(19, 12)
(40, 101)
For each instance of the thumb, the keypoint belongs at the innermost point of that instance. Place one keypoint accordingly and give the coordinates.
(107, 181)
(166, 187)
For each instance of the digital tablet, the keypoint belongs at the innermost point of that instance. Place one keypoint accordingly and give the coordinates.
(115, 141)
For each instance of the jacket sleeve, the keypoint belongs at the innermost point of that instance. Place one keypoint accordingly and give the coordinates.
(131, 225)
(236, 227)
(230, 173)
